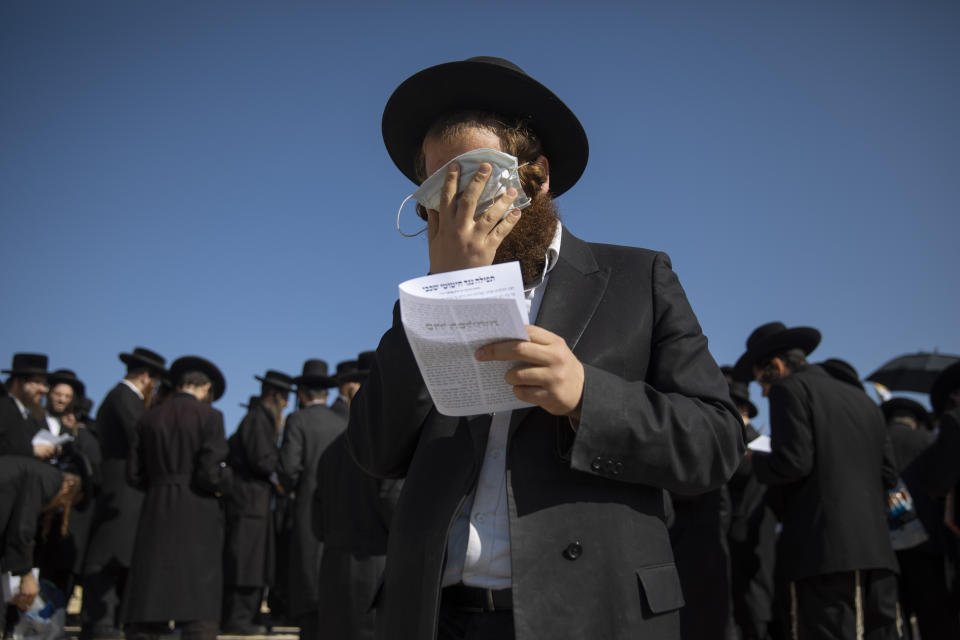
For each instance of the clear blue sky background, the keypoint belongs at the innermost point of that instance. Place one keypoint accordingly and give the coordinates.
(209, 177)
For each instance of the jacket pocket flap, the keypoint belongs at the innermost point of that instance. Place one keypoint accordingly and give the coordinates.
(661, 586)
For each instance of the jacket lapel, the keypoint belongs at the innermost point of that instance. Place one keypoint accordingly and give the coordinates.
(574, 289)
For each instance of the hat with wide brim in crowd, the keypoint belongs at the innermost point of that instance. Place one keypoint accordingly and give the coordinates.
(842, 371)
(186, 364)
(913, 408)
(740, 394)
(68, 377)
(946, 383)
(316, 374)
(772, 338)
(487, 84)
(141, 357)
(277, 379)
(28, 364)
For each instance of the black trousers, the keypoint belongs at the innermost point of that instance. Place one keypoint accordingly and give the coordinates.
(191, 630)
(241, 605)
(853, 605)
(924, 592)
(456, 624)
(102, 592)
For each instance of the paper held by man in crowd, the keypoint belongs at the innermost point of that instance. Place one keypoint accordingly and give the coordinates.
(46, 437)
(447, 317)
(760, 443)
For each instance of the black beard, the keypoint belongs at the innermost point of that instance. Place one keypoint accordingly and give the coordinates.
(530, 238)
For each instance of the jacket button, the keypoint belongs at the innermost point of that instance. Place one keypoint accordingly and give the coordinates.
(573, 551)
(617, 468)
(597, 464)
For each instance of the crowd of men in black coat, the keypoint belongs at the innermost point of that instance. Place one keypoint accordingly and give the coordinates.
(803, 523)
(168, 522)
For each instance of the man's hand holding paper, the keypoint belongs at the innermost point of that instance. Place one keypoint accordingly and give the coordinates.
(550, 376)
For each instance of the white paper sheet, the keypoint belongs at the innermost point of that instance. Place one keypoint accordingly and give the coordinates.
(46, 437)
(447, 317)
(760, 443)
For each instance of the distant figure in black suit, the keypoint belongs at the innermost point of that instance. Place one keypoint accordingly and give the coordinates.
(348, 380)
(306, 435)
(249, 551)
(178, 457)
(118, 504)
(832, 457)
(21, 409)
(352, 513)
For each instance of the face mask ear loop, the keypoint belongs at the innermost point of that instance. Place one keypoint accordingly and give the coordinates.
(406, 235)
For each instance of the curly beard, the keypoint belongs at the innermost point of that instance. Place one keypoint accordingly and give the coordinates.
(530, 238)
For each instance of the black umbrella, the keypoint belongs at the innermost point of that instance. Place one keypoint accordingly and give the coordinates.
(913, 371)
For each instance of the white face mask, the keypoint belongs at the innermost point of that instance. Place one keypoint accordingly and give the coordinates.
(503, 176)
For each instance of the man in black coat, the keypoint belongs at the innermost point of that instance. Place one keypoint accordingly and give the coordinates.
(21, 410)
(178, 457)
(547, 521)
(61, 556)
(306, 435)
(118, 504)
(924, 583)
(832, 457)
(348, 380)
(27, 488)
(249, 549)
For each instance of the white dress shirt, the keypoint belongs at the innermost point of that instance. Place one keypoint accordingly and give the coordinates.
(478, 549)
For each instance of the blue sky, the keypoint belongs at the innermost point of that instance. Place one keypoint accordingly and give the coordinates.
(209, 177)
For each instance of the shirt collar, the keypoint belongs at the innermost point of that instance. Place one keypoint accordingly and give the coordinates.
(549, 260)
(20, 406)
(133, 387)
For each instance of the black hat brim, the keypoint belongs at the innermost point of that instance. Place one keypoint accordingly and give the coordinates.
(354, 376)
(324, 382)
(79, 389)
(901, 404)
(803, 338)
(740, 400)
(486, 85)
(133, 360)
(279, 384)
(196, 363)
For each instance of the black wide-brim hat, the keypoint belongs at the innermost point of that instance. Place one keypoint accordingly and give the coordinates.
(142, 357)
(185, 364)
(277, 379)
(771, 338)
(28, 364)
(486, 84)
(947, 381)
(740, 394)
(842, 371)
(316, 374)
(66, 376)
(906, 405)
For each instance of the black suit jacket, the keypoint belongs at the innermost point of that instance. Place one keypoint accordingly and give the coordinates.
(118, 505)
(249, 549)
(307, 434)
(591, 556)
(178, 457)
(26, 486)
(937, 469)
(832, 454)
(16, 432)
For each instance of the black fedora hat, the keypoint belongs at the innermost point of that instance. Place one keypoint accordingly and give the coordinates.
(906, 405)
(771, 338)
(946, 383)
(186, 364)
(28, 364)
(740, 394)
(842, 371)
(356, 370)
(144, 358)
(315, 374)
(487, 84)
(66, 376)
(276, 379)
(83, 408)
